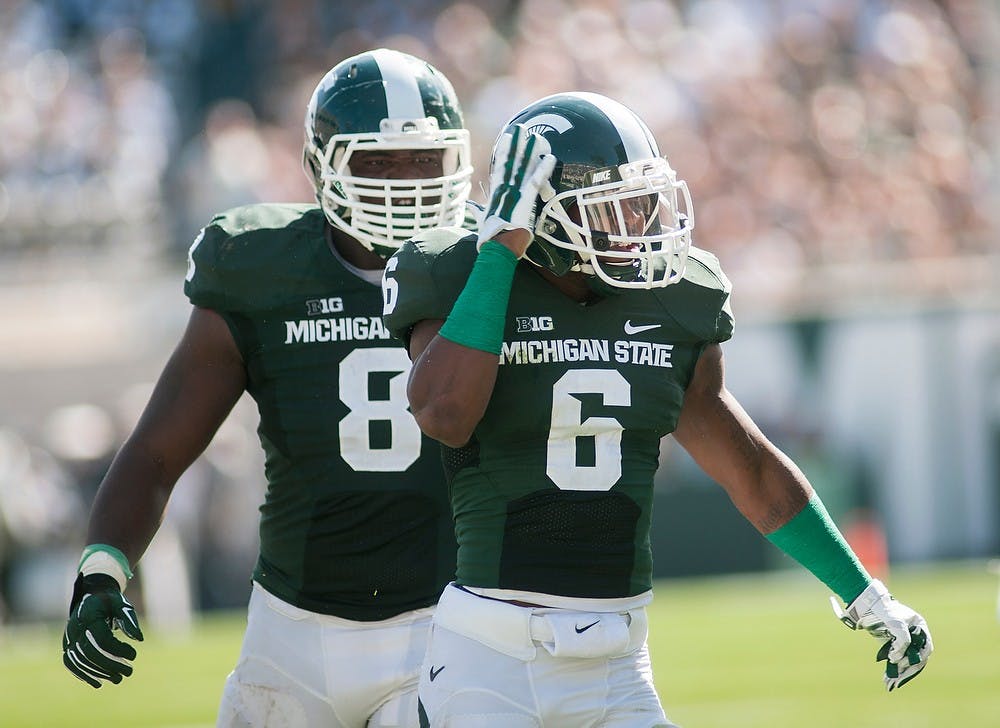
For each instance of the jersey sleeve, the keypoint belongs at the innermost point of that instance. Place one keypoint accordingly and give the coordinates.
(205, 282)
(237, 260)
(700, 303)
(424, 277)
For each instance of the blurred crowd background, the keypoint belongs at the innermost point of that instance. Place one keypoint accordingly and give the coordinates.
(842, 156)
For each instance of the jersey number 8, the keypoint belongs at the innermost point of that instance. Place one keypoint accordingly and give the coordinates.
(355, 438)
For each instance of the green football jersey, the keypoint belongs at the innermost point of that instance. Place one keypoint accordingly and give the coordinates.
(356, 521)
(554, 492)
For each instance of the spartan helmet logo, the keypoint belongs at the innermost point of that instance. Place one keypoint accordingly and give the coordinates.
(540, 124)
(544, 123)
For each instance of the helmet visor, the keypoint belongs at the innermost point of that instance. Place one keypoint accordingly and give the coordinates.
(619, 224)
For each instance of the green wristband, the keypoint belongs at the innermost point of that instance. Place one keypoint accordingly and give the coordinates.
(477, 318)
(813, 539)
(115, 554)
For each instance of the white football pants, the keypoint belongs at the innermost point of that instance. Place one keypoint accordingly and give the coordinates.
(494, 664)
(299, 669)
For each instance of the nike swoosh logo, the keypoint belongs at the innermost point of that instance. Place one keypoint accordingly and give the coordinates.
(581, 630)
(435, 673)
(630, 329)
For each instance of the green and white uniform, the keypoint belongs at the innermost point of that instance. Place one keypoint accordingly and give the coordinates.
(552, 497)
(356, 536)
(355, 522)
(554, 493)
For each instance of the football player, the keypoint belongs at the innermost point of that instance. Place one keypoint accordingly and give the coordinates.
(551, 354)
(356, 537)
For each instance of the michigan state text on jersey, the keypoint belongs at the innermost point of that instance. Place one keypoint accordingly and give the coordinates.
(553, 494)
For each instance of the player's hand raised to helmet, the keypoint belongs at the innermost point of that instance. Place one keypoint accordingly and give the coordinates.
(519, 175)
(907, 640)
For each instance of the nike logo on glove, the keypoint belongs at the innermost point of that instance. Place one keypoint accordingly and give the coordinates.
(581, 630)
(630, 329)
(435, 673)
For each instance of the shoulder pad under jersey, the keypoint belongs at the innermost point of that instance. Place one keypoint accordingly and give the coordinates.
(241, 251)
(426, 275)
(700, 302)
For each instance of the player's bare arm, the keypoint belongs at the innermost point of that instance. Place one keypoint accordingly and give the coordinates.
(763, 483)
(198, 387)
(454, 362)
(450, 384)
(774, 495)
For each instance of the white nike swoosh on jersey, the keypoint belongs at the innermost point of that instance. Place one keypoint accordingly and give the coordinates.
(630, 329)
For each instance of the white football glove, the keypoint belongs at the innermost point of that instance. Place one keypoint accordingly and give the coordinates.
(908, 640)
(520, 175)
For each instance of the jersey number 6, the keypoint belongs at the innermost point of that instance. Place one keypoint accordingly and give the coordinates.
(568, 426)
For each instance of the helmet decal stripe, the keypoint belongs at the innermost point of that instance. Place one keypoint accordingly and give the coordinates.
(628, 123)
(403, 97)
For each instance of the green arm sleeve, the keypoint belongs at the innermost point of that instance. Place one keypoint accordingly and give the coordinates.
(813, 539)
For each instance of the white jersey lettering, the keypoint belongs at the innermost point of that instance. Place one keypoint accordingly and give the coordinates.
(346, 328)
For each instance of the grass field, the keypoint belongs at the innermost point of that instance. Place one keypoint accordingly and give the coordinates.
(745, 652)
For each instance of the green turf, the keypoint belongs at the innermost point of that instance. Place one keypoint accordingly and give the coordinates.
(177, 680)
(768, 652)
(743, 651)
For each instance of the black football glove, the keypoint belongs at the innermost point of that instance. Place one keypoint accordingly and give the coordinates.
(90, 649)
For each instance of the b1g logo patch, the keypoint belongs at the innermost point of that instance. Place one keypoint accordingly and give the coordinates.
(524, 324)
(321, 306)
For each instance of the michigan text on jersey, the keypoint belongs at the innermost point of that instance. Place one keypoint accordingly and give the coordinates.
(346, 328)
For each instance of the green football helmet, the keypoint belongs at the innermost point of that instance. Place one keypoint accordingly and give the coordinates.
(619, 215)
(384, 100)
